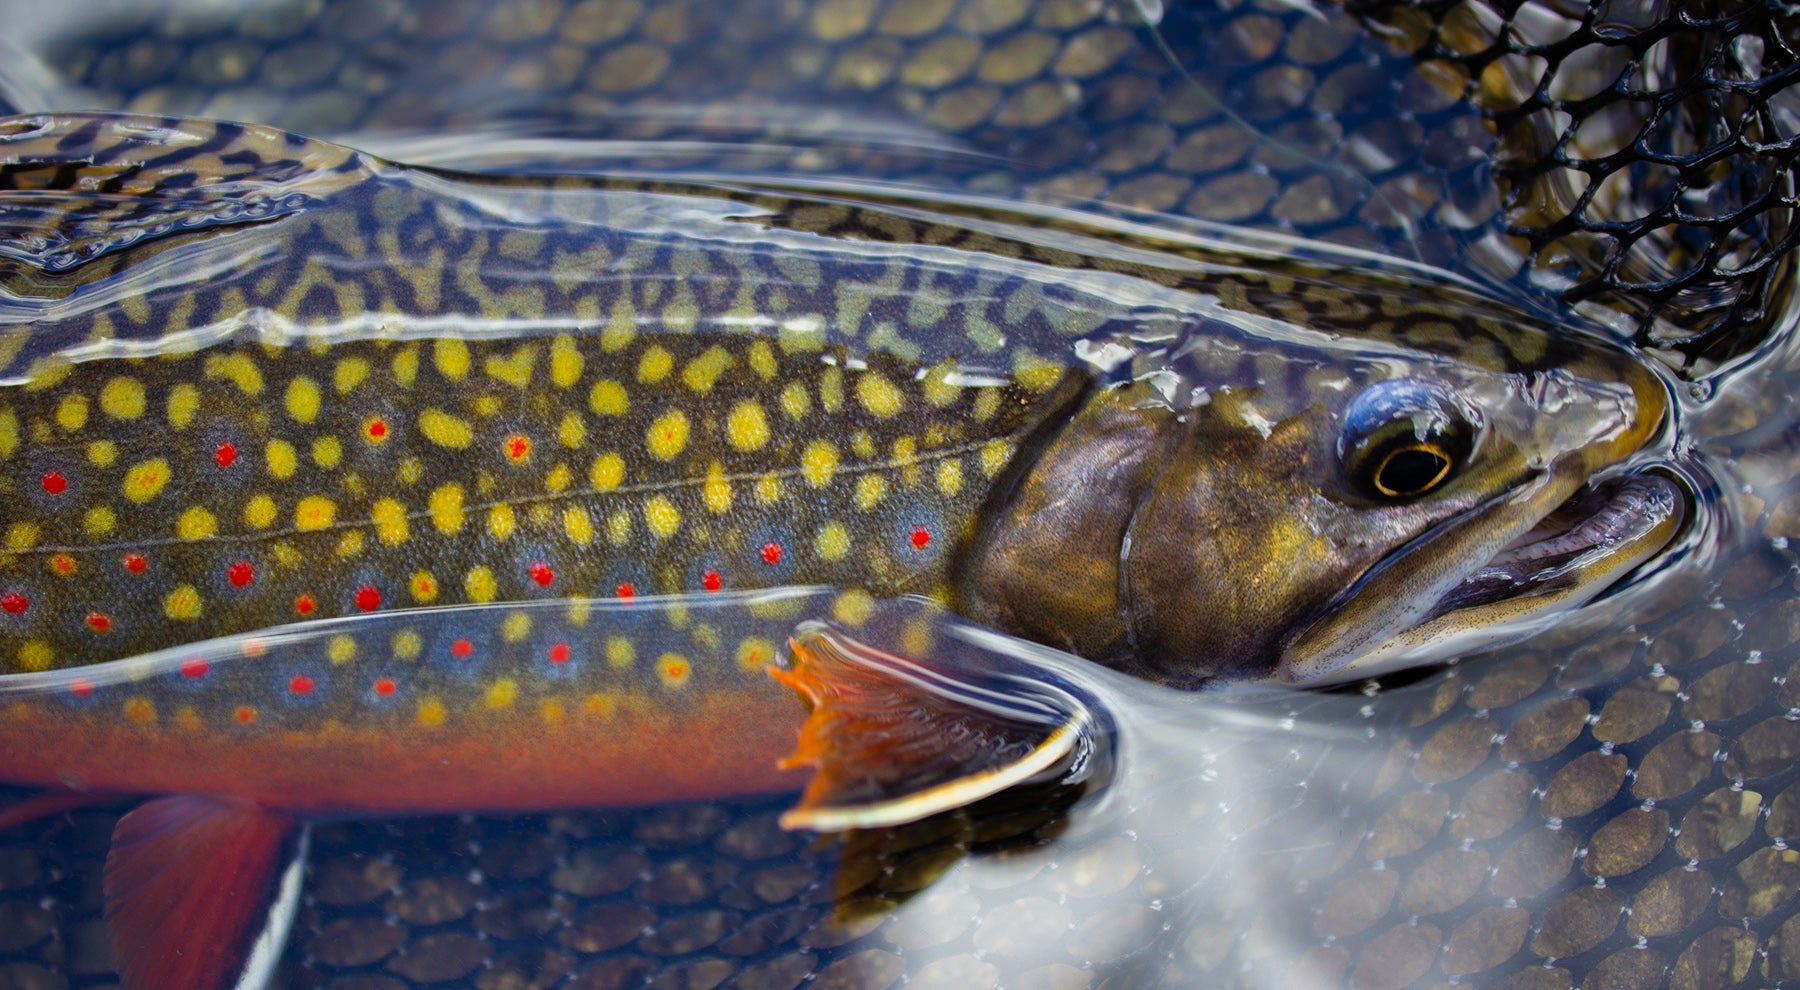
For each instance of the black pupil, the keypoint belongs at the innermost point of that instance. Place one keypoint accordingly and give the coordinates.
(1411, 471)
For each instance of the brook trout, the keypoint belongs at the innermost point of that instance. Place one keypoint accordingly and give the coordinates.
(255, 380)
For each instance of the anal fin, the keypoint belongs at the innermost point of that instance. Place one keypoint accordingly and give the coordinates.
(895, 740)
(200, 892)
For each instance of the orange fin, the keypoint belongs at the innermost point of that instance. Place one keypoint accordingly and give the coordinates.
(200, 892)
(896, 739)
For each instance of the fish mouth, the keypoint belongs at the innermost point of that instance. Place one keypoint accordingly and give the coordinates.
(1473, 595)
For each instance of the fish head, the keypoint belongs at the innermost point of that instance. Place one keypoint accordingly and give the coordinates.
(1317, 508)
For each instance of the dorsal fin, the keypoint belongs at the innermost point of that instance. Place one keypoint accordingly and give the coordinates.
(76, 186)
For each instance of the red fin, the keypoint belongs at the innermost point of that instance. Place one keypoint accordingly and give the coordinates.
(191, 884)
(895, 741)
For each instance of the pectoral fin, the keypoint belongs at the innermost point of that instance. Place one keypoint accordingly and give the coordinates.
(897, 739)
(201, 891)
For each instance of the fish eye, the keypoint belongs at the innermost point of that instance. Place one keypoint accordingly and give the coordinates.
(1403, 438)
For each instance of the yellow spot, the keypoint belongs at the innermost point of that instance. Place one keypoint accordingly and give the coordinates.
(746, 428)
(515, 370)
(22, 536)
(819, 462)
(72, 412)
(768, 489)
(762, 359)
(620, 654)
(831, 389)
(238, 369)
(608, 471)
(424, 586)
(446, 507)
(187, 718)
(577, 524)
(408, 644)
(36, 654)
(122, 398)
(796, 402)
(341, 649)
(878, 395)
(486, 404)
(565, 361)
(350, 544)
(661, 516)
(673, 670)
(259, 512)
(285, 555)
(862, 444)
(145, 480)
(703, 372)
(327, 452)
(182, 604)
(558, 479)
(196, 524)
(389, 517)
(939, 391)
(445, 430)
(100, 521)
(431, 713)
(833, 542)
(515, 627)
(501, 521)
(283, 460)
(9, 432)
(655, 365)
(480, 584)
(303, 399)
(410, 471)
(348, 374)
(598, 706)
(102, 453)
(987, 402)
(451, 358)
(1035, 373)
(668, 435)
(140, 711)
(716, 491)
(552, 712)
(572, 431)
(994, 455)
(406, 367)
(184, 402)
(949, 477)
(621, 327)
(608, 398)
(502, 693)
(852, 608)
(755, 653)
(314, 512)
(618, 528)
(870, 490)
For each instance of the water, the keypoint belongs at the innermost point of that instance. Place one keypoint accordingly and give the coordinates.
(1610, 800)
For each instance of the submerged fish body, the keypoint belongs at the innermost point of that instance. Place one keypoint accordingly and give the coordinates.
(253, 380)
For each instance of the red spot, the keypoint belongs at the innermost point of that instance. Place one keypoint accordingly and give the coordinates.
(385, 687)
(626, 590)
(301, 684)
(377, 429)
(240, 574)
(135, 563)
(518, 447)
(920, 538)
(245, 715)
(62, 564)
(81, 687)
(368, 598)
(194, 668)
(559, 653)
(711, 581)
(99, 622)
(14, 603)
(461, 648)
(225, 455)
(305, 604)
(542, 574)
(55, 483)
(771, 553)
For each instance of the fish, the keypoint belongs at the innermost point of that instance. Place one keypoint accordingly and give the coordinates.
(293, 433)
